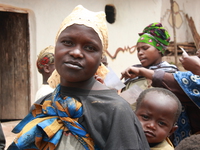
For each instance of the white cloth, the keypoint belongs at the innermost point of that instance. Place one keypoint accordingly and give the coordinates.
(69, 142)
(43, 90)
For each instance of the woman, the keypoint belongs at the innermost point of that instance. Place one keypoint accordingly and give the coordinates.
(151, 47)
(81, 113)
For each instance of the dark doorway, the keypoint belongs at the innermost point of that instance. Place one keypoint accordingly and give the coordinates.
(14, 66)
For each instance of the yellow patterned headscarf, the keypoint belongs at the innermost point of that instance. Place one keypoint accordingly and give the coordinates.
(95, 20)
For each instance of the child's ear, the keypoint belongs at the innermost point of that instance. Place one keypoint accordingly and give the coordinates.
(173, 129)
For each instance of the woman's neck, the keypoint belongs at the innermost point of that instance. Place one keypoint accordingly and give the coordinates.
(90, 84)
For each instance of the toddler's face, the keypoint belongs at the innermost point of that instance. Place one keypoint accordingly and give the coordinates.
(157, 116)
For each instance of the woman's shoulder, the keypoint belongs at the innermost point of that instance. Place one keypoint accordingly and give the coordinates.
(165, 66)
(41, 100)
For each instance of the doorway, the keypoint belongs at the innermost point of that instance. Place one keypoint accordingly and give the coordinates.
(14, 65)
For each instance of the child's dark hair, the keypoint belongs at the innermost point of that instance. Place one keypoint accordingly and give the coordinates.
(164, 92)
(189, 143)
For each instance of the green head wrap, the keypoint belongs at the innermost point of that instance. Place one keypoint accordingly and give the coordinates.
(155, 35)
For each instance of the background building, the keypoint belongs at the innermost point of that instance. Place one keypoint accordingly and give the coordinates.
(28, 26)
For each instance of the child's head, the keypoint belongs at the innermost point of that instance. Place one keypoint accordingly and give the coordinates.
(80, 44)
(158, 110)
(152, 44)
(189, 143)
(45, 61)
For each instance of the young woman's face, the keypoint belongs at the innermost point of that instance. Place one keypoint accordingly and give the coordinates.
(157, 117)
(148, 55)
(78, 53)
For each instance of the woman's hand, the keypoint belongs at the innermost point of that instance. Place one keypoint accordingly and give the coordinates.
(191, 63)
(130, 72)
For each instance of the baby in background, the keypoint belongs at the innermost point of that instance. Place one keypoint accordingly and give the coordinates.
(158, 110)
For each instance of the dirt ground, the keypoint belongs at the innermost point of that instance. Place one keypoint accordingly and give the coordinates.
(7, 128)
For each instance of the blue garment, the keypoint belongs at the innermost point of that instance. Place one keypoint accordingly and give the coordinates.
(184, 128)
(190, 84)
(44, 126)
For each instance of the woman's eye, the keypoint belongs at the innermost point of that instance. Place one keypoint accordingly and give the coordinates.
(68, 43)
(145, 47)
(90, 48)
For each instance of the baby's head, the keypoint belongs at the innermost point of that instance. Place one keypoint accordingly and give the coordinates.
(158, 110)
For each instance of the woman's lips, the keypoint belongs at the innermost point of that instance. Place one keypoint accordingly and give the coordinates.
(143, 60)
(73, 65)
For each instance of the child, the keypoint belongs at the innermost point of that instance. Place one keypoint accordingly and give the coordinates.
(45, 66)
(185, 85)
(158, 110)
(151, 47)
(81, 113)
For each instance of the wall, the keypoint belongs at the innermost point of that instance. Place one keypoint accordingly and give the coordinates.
(132, 17)
(181, 7)
(45, 17)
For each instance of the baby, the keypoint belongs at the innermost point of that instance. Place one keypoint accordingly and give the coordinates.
(158, 110)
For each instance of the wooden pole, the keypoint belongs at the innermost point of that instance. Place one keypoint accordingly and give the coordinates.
(174, 31)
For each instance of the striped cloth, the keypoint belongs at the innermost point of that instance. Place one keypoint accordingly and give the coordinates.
(44, 126)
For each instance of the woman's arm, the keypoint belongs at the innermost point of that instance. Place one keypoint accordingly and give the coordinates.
(159, 79)
(132, 72)
(191, 63)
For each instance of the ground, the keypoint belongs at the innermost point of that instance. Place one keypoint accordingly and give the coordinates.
(7, 128)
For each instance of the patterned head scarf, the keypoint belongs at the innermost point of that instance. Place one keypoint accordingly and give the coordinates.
(46, 56)
(95, 20)
(190, 84)
(155, 35)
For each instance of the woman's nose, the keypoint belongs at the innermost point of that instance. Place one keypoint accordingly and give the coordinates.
(140, 52)
(76, 53)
